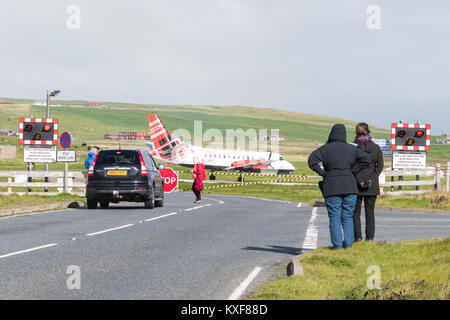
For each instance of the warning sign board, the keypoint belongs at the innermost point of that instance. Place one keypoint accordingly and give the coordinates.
(66, 156)
(409, 160)
(39, 153)
(385, 146)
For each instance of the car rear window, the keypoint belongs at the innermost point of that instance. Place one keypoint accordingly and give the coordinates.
(118, 157)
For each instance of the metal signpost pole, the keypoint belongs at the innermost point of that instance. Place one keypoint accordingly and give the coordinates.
(48, 117)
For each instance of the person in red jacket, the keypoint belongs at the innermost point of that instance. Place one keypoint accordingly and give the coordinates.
(199, 176)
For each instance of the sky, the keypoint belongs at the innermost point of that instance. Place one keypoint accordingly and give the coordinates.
(327, 57)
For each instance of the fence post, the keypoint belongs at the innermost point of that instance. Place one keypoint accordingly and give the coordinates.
(10, 181)
(448, 176)
(438, 179)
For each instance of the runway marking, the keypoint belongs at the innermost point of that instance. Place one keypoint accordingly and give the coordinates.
(28, 250)
(108, 230)
(312, 233)
(160, 217)
(244, 284)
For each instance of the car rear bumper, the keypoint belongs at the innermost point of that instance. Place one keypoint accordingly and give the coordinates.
(134, 193)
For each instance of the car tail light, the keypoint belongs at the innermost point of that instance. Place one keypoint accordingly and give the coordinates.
(91, 168)
(144, 170)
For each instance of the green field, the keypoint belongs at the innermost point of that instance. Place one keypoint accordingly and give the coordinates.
(410, 270)
(303, 132)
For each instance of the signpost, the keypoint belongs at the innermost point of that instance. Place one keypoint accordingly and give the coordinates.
(65, 140)
(66, 156)
(39, 153)
(170, 179)
(409, 143)
(385, 146)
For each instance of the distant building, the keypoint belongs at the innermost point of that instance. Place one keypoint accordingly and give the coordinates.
(39, 103)
(445, 140)
(2, 100)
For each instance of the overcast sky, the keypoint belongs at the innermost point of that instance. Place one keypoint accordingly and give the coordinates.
(309, 56)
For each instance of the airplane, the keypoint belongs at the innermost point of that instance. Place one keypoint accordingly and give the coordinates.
(172, 150)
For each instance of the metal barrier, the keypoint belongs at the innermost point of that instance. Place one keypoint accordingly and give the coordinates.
(62, 181)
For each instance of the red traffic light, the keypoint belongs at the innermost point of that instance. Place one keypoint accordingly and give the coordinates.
(401, 133)
(28, 127)
(420, 133)
(47, 128)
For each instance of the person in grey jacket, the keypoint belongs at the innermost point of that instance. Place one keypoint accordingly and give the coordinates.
(338, 162)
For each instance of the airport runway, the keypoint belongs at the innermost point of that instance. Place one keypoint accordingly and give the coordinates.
(220, 249)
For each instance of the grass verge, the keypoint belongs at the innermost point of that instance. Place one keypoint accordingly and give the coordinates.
(16, 201)
(409, 270)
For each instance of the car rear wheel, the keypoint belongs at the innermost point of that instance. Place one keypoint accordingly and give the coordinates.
(150, 203)
(92, 203)
(160, 202)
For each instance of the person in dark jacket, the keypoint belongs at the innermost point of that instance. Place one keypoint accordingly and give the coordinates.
(338, 162)
(368, 185)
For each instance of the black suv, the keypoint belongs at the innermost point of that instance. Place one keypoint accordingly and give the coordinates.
(124, 175)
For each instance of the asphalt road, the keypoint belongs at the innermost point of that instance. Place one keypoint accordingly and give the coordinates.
(181, 251)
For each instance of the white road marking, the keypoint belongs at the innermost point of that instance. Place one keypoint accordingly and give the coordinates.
(28, 250)
(160, 217)
(193, 208)
(112, 229)
(244, 284)
(312, 233)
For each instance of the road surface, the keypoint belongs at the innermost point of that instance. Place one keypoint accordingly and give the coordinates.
(220, 249)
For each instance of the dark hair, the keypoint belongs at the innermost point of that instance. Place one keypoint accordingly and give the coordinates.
(362, 128)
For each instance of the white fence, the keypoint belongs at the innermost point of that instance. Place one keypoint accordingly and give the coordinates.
(433, 177)
(24, 182)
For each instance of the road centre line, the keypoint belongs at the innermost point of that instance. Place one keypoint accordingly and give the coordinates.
(112, 229)
(244, 284)
(193, 208)
(28, 250)
(160, 217)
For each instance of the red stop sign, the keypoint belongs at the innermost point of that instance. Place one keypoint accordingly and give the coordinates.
(170, 179)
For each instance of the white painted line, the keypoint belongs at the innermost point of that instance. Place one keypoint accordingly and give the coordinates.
(160, 217)
(244, 284)
(194, 208)
(112, 229)
(28, 250)
(312, 233)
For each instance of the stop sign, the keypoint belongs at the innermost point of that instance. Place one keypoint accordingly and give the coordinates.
(170, 179)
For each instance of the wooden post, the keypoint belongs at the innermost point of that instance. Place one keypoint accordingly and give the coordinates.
(448, 176)
(438, 179)
(9, 181)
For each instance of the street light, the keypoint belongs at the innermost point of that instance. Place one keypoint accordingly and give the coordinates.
(49, 94)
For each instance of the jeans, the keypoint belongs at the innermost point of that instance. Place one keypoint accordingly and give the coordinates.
(340, 214)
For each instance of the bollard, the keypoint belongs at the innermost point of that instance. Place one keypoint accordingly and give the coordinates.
(448, 176)
(438, 179)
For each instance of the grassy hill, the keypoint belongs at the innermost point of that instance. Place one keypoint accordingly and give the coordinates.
(303, 132)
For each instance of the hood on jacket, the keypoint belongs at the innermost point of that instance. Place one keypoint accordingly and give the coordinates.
(338, 133)
(91, 154)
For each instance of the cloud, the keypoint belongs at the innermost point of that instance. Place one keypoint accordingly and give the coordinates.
(315, 57)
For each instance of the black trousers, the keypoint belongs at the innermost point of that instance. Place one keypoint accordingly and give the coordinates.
(369, 208)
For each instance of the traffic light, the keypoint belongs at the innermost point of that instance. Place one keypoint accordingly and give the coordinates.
(38, 131)
(411, 136)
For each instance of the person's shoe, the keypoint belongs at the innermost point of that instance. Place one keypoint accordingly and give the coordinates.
(368, 239)
(358, 239)
(197, 201)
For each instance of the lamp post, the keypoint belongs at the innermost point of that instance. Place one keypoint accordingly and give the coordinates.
(49, 94)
